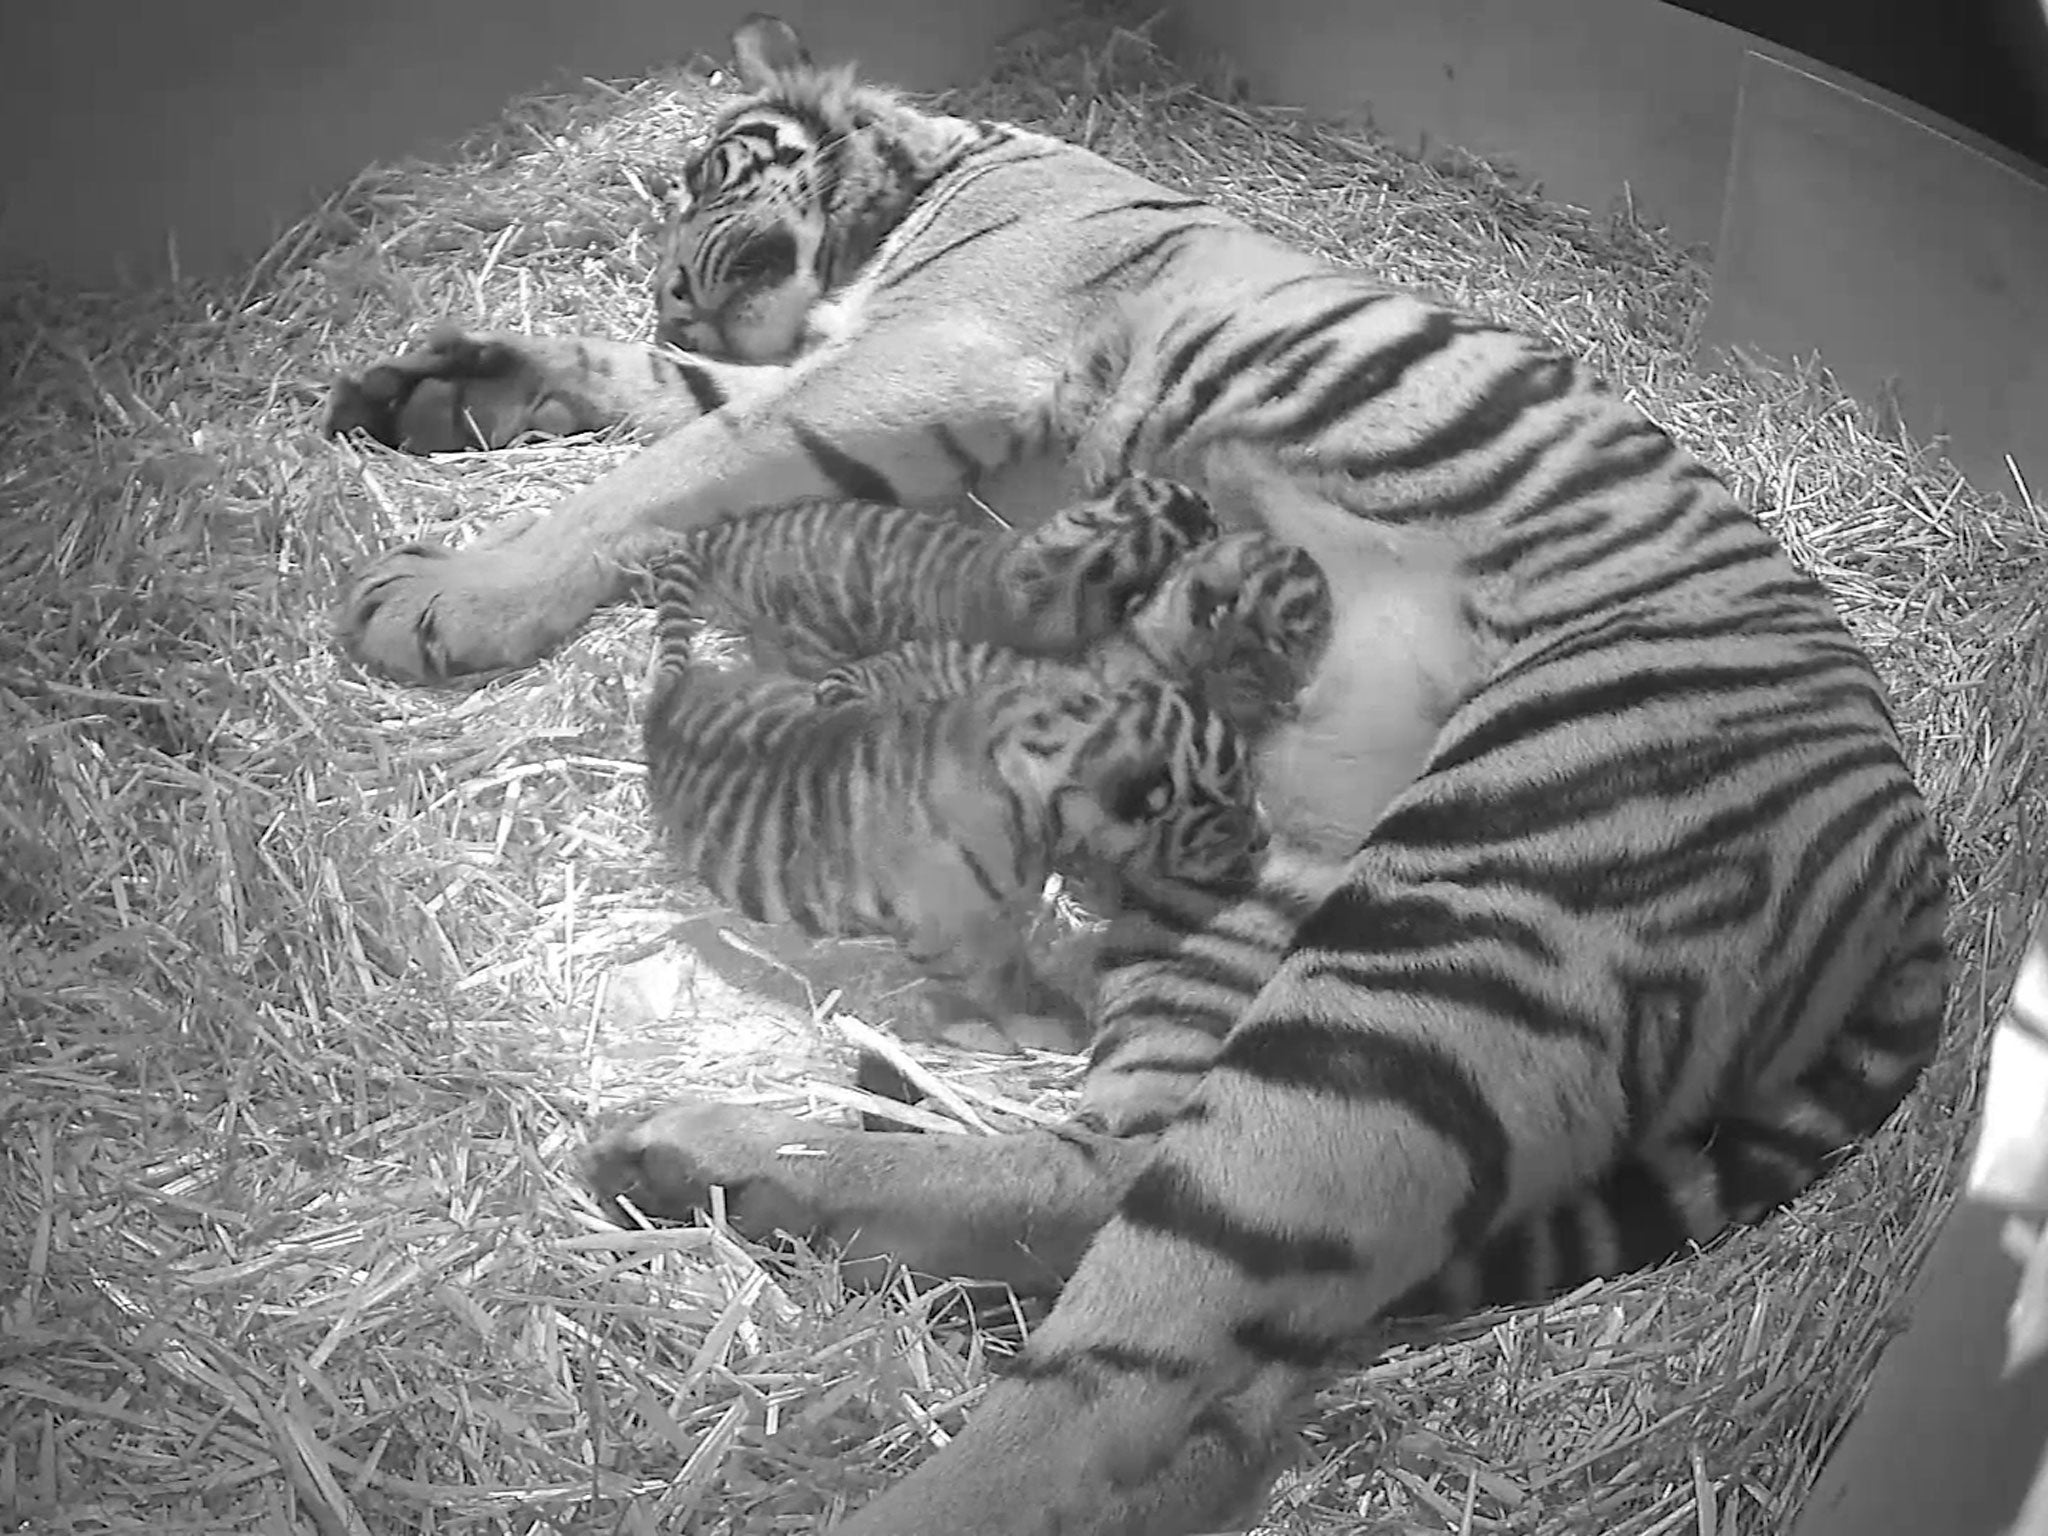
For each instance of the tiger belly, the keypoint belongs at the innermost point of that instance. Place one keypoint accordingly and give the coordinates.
(1396, 666)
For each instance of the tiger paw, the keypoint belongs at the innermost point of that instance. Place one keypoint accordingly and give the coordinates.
(840, 686)
(667, 1164)
(455, 392)
(423, 613)
(1123, 1106)
(1063, 1032)
(1247, 618)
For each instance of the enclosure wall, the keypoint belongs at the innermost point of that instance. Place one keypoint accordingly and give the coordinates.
(1902, 247)
(210, 124)
(1983, 63)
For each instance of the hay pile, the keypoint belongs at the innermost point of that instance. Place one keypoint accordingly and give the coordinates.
(311, 982)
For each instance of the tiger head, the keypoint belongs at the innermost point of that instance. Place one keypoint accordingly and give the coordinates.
(1150, 788)
(1086, 568)
(794, 190)
(1244, 618)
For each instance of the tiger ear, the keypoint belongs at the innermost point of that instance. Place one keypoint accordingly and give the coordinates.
(767, 49)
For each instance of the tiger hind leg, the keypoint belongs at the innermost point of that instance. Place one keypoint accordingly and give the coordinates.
(1017, 1210)
(1220, 1476)
(1738, 1167)
(1327, 1164)
(462, 390)
(1221, 1471)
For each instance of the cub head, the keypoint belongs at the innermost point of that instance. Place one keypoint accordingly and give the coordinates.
(1155, 790)
(1244, 618)
(1084, 570)
(785, 202)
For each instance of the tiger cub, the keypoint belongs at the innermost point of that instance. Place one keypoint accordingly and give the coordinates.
(938, 821)
(1242, 619)
(824, 582)
(930, 670)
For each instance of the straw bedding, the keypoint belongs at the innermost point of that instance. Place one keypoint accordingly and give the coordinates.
(311, 982)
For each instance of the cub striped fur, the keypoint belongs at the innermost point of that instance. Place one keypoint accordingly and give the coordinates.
(930, 670)
(1242, 620)
(827, 581)
(937, 821)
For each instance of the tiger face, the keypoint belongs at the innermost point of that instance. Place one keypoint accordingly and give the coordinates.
(1084, 571)
(786, 202)
(740, 270)
(1162, 789)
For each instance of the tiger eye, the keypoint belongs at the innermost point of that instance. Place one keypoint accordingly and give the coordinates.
(1142, 796)
(768, 255)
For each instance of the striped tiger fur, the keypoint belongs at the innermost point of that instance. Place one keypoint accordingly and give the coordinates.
(1242, 620)
(927, 669)
(1238, 622)
(937, 822)
(827, 581)
(1605, 910)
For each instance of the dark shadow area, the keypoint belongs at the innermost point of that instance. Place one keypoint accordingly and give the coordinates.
(1983, 64)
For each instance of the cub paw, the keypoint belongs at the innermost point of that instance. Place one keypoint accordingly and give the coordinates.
(1246, 619)
(666, 1165)
(841, 686)
(456, 392)
(1183, 513)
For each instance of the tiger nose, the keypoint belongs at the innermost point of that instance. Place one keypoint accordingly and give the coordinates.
(1244, 830)
(1251, 831)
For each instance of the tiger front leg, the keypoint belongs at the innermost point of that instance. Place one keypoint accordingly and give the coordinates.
(1016, 1210)
(465, 390)
(911, 418)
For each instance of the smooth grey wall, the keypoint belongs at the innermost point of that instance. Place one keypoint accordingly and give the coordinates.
(1982, 62)
(216, 123)
(1905, 250)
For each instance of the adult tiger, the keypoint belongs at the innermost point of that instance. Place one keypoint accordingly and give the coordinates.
(1623, 912)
